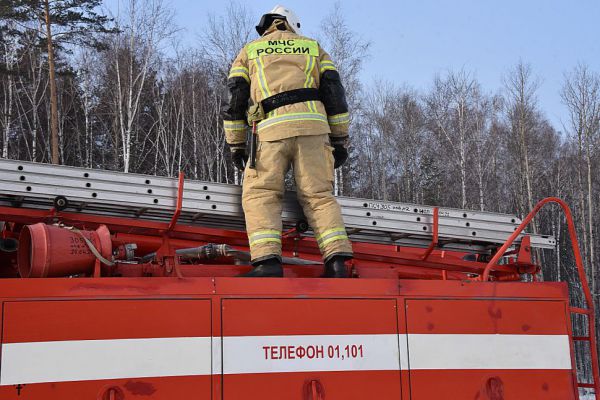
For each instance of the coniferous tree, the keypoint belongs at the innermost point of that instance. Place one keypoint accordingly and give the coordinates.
(57, 23)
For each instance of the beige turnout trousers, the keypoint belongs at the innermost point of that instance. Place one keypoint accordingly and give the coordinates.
(263, 188)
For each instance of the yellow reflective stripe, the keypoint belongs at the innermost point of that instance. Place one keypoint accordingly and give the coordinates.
(240, 69)
(332, 239)
(327, 65)
(339, 119)
(265, 232)
(311, 83)
(308, 83)
(311, 106)
(240, 74)
(265, 240)
(282, 47)
(233, 130)
(327, 68)
(237, 124)
(265, 236)
(262, 80)
(331, 235)
(308, 116)
(329, 231)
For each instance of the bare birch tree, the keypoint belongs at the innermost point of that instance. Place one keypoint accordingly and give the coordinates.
(33, 85)
(581, 95)
(450, 110)
(225, 37)
(9, 64)
(145, 26)
(521, 87)
(349, 51)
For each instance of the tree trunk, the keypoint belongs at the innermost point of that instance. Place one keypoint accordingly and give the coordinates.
(8, 107)
(481, 193)
(53, 94)
(590, 214)
(586, 260)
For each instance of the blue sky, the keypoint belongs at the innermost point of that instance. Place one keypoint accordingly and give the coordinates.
(414, 40)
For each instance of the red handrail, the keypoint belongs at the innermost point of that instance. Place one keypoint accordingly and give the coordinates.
(175, 217)
(580, 271)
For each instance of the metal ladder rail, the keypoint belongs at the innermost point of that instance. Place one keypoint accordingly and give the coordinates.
(589, 316)
(588, 312)
(133, 194)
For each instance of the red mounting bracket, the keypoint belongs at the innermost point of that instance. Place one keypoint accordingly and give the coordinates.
(434, 239)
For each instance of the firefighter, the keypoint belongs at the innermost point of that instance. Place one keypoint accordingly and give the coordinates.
(286, 86)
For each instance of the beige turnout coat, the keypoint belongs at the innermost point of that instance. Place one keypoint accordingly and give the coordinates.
(280, 61)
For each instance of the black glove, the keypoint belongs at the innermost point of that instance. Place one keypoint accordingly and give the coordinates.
(340, 155)
(239, 156)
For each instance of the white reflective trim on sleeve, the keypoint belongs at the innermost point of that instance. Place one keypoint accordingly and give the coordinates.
(339, 119)
(241, 72)
(82, 360)
(327, 65)
(478, 351)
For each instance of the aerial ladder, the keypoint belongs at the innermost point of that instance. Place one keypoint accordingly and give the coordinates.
(70, 226)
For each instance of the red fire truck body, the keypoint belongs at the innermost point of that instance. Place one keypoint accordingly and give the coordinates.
(83, 317)
(290, 338)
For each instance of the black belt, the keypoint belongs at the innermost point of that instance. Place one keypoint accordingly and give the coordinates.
(289, 97)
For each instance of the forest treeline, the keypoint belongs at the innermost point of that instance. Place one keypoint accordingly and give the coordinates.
(130, 97)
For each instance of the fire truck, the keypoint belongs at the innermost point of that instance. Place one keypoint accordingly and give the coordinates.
(120, 286)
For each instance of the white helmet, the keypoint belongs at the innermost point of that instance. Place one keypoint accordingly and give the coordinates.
(289, 15)
(278, 11)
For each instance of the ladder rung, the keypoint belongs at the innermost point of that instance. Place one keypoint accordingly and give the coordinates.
(586, 385)
(577, 310)
(582, 338)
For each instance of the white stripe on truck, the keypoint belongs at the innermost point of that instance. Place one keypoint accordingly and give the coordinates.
(463, 351)
(82, 360)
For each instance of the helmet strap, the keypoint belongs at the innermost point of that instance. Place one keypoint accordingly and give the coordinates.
(266, 21)
(281, 25)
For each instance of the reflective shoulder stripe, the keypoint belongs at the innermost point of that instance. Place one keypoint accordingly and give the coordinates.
(282, 47)
(339, 119)
(309, 82)
(262, 80)
(310, 65)
(308, 116)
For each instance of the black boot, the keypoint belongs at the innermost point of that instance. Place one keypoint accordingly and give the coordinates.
(269, 268)
(335, 267)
